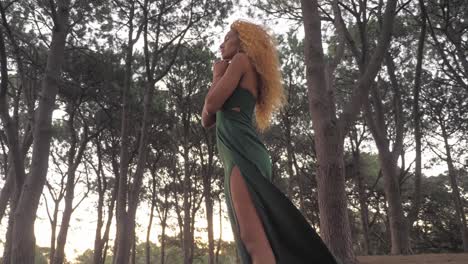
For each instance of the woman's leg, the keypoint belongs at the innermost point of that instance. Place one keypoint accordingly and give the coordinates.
(251, 229)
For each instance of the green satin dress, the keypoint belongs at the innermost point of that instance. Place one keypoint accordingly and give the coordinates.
(292, 239)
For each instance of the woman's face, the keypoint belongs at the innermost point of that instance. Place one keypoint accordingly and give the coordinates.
(230, 45)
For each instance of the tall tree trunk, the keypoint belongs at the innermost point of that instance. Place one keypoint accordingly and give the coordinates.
(102, 187)
(133, 259)
(127, 235)
(329, 130)
(413, 214)
(122, 243)
(150, 224)
(334, 222)
(330, 174)
(162, 214)
(133, 196)
(209, 218)
(10, 126)
(163, 240)
(300, 184)
(74, 159)
(23, 246)
(364, 211)
(53, 226)
(207, 169)
(16, 172)
(97, 256)
(100, 249)
(389, 159)
(457, 198)
(398, 226)
(218, 246)
(188, 203)
(289, 153)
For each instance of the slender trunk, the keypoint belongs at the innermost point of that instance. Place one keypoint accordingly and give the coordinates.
(364, 212)
(6, 191)
(133, 196)
(398, 226)
(59, 256)
(209, 218)
(54, 230)
(10, 126)
(133, 248)
(25, 214)
(218, 246)
(163, 243)
(97, 257)
(208, 195)
(163, 218)
(188, 203)
(105, 238)
(74, 159)
(16, 172)
(101, 188)
(300, 184)
(413, 214)
(148, 232)
(97, 237)
(388, 160)
(289, 151)
(134, 191)
(388, 163)
(122, 243)
(457, 199)
(150, 224)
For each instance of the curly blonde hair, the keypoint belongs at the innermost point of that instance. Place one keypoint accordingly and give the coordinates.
(260, 47)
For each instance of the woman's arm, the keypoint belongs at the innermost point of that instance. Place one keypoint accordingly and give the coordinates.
(222, 87)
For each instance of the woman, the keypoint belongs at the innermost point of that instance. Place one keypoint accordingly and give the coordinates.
(267, 227)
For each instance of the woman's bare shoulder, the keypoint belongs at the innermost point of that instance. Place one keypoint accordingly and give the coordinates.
(242, 59)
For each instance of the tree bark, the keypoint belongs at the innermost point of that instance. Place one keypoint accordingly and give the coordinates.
(163, 213)
(218, 246)
(413, 214)
(9, 124)
(16, 172)
(122, 243)
(74, 159)
(5, 193)
(150, 224)
(23, 246)
(330, 131)
(207, 170)
(389, 159)
(187, 203)
(102, 187)
(362, 196)
(457, 199)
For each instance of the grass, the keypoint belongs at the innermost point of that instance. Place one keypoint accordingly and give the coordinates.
(416, 259)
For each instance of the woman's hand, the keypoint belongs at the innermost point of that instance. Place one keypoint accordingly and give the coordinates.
(219, 68)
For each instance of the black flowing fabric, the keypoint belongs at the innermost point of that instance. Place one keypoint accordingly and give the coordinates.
(292, 239)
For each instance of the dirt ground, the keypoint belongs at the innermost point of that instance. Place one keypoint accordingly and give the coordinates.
(416, 259)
